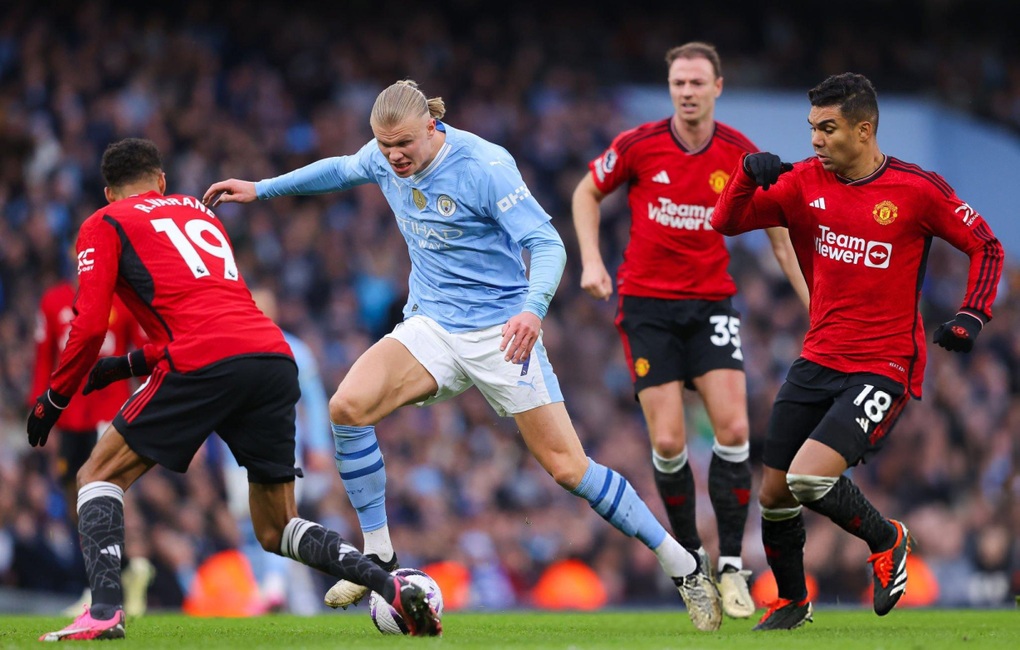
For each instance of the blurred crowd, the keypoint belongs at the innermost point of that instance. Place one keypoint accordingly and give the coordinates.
(226, 90)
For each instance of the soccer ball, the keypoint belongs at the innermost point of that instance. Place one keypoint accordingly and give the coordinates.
(386, 619)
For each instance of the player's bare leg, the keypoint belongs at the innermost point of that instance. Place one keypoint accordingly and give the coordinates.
(386, 377)
(551, 438)
(663, 408)
(724, 394)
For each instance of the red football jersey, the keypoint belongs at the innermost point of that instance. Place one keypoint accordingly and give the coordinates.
(673, 252)
(170, 260)
(53, 326)
(863, 245)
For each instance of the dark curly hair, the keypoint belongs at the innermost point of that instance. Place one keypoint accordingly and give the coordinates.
(852, 93)
(130, 160)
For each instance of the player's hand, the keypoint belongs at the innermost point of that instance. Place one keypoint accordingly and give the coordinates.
(595, 279)
(958, 335)
(47, 409)
(519, 336)
(110, 369)
(229, 191)
(765, 168)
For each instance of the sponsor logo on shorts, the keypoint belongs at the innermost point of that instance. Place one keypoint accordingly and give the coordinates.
(641, 367)
(529, 384)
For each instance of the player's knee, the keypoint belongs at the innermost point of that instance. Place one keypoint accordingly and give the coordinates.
(269, 538)
(776, 495)
(346, 411)
(669, 445)
(733, 433)
(85, 475)
(807, 488)
(567, 473)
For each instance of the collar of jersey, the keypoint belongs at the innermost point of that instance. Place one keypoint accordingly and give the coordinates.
(864, 180)
(683, 145)
(434, 165)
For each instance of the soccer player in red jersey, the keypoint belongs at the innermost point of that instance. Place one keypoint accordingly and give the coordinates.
(675, 315)
(85, 414)
(861, 223)
(214, 363)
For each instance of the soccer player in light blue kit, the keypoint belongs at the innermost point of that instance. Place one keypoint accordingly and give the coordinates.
(473, 318)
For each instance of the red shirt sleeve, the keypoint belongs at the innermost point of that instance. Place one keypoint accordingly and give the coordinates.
(98, 259)
(955, 221)
(611, 169)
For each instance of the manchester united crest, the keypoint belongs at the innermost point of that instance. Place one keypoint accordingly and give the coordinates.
(641, 367)
(885, 212)
(717, 180)
(419, 198)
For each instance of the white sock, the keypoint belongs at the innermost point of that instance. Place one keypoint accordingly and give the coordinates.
(378, 541)
(734, 562)
(674, 559)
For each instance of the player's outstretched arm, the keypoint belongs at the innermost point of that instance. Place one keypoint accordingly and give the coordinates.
(230, 191)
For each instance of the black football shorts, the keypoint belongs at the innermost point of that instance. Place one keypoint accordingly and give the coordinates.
(670, 340)
(248, 401)
(849, 412)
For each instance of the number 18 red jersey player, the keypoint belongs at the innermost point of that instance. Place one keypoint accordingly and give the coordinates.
(861, 223)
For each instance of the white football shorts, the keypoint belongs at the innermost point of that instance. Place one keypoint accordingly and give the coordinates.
(460, 360)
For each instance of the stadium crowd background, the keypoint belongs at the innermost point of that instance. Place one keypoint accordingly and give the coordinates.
(232, 91)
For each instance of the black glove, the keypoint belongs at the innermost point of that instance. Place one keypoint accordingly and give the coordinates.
(765, 168)
(110, 369)
(47, 409)
(958, 335)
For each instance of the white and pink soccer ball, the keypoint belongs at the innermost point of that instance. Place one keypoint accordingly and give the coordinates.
(386, 619)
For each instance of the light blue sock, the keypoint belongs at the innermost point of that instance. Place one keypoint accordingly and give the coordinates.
(363, 473)
(611, 495)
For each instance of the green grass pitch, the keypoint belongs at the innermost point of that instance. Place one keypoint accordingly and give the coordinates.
(625, 630)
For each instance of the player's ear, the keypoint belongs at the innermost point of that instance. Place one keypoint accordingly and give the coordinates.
(865, 130)
(110, 197)
(162, 182)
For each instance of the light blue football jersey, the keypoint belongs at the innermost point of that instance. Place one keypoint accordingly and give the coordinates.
(463, 218)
